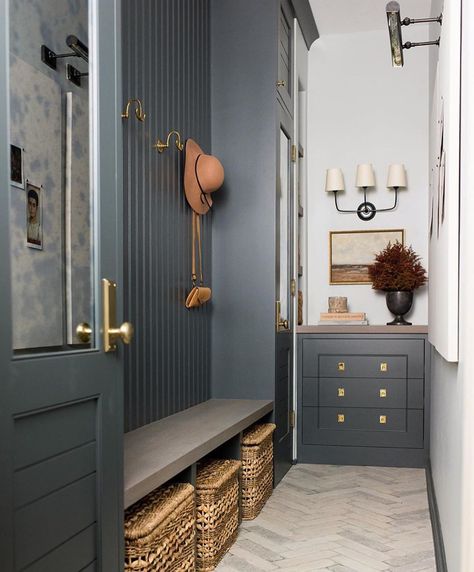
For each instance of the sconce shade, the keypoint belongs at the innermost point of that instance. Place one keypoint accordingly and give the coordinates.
(365, 176)
(397, 177)
(334, 180)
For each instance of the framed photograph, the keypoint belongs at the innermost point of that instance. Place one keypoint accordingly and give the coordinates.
(352, 251)
(34, 216)
(16, 167)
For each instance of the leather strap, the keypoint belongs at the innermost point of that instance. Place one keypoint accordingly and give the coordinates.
(203, 194)
(196, 234)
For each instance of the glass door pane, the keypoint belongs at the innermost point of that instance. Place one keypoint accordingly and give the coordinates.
(51, 214)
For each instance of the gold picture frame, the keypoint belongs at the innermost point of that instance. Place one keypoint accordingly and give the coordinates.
(352, 251)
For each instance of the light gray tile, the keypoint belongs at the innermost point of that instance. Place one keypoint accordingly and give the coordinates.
(339, 519)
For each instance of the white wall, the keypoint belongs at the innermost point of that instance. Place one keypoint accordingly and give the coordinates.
(361, 110)
(452, 407)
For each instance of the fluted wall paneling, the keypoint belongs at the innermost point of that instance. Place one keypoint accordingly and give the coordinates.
(166, 64)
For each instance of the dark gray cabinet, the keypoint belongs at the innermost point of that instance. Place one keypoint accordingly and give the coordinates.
(252, 46)
(285, 88)
(363, 399)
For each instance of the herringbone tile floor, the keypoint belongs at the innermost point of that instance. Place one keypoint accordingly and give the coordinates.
(339, 519)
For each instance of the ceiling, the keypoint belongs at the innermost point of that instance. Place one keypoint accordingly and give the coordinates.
(352, 16)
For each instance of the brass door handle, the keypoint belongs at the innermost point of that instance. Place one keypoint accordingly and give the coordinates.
(280, 323)
(112, 332)
(124, 332)
(84, 333)
(281, 83)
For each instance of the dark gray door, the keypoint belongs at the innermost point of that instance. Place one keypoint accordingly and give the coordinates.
(284, 307)
(60, 233)
(285, 82)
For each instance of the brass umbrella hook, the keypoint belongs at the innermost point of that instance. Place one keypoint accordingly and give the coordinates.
(139, 113)
(160, 146)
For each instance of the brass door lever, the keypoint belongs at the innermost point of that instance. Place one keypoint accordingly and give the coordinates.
(112, 332)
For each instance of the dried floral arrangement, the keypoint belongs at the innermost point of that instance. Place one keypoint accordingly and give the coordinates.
(397, 268)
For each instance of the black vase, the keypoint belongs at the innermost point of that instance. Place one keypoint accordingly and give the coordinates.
(399, 303)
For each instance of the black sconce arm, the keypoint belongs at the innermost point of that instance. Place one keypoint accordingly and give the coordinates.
(366, 210)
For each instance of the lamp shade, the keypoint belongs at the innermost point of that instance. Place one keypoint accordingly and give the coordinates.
(334, 180)
(397, 176)
(365, 176)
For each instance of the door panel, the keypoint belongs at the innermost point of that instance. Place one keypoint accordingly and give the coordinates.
(285, 85)
(284, 313)
(61, 410)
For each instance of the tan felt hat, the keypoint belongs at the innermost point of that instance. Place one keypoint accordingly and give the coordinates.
(203, 174)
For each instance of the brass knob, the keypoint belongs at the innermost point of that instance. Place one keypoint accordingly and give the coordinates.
(125, 332)
(383, 419)
(281, 83)
(341, 392)
(284, 324)
(341, 366)
(84, 332)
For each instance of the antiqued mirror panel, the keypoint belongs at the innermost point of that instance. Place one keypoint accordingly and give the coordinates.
(51, 214)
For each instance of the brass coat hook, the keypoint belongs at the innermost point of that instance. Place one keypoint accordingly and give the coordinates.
(139, 114)
(160, 146)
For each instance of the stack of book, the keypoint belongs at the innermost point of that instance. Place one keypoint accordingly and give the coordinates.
(343, 319)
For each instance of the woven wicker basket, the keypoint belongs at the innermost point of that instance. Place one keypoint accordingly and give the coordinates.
(160, 534)
(257, 469)
(217, 511)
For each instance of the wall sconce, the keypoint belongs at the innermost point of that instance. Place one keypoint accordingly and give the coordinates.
(365, 179)
(395, 24)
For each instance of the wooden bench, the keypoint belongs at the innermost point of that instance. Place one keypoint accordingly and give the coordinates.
(158, 452)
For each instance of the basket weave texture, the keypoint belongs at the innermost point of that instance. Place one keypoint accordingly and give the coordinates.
(217, 511)
(160, 531)
(257, 469)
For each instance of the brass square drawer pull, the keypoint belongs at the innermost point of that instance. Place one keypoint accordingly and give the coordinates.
(341, 366)
(383, 419)
(341, 392)
(384, 366)
(340, 418)
(383, 393)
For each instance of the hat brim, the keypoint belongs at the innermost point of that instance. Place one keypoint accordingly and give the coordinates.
(192, 190)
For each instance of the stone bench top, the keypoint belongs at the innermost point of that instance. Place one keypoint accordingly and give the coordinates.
(157, 452)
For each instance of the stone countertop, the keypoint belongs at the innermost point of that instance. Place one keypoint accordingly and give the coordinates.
(380, 329)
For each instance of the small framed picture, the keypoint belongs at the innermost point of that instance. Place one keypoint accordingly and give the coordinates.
(16, 167)
(351, 252)
(34, 216)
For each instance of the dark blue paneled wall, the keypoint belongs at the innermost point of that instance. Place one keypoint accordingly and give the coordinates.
(166, 63)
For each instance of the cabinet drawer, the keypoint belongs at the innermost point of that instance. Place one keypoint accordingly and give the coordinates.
(362, 428)
(404, 358)
(362, 366)
(399, 393)
(360, 419)
(356, 392)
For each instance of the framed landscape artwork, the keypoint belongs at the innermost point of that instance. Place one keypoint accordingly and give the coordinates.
(352, 251)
